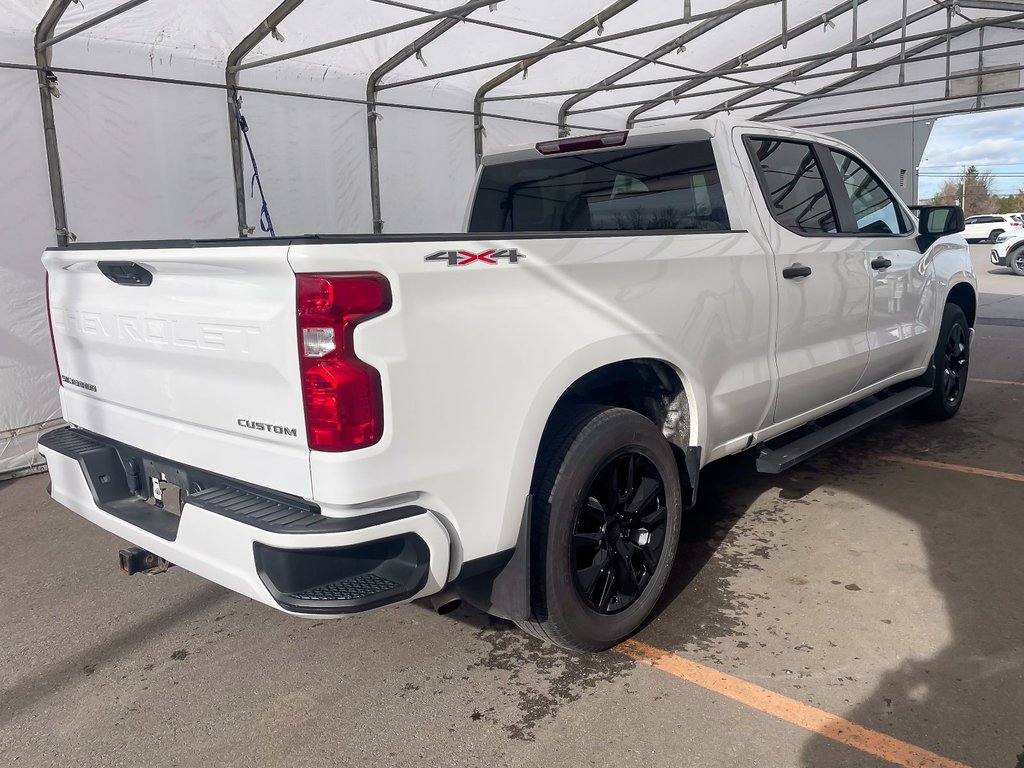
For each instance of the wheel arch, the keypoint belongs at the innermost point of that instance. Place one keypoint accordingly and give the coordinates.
(1012, 251)
(585, 372)
(964, 296)
(649, 386)
(613, 372)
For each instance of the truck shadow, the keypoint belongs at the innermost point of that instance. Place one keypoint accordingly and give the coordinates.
(966, 700)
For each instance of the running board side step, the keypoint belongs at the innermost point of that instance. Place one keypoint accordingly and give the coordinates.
(773, 461)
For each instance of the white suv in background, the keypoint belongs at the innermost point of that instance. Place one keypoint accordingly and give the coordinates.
(1008, 251)
(989, 227)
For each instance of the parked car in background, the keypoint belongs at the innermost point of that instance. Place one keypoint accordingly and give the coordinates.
(1008, 251)
(990, 226)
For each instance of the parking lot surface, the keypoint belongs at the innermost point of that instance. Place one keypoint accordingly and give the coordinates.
(861, 610)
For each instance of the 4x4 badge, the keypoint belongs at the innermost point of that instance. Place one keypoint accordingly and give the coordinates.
(462, 258)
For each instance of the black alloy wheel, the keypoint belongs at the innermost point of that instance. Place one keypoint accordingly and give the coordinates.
(606, 510)
(948, 374)
(619, 533)
(955, 363)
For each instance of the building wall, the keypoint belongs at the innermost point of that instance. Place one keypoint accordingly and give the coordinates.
(895, 150)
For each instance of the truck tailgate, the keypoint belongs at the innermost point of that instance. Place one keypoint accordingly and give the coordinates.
(199, 366)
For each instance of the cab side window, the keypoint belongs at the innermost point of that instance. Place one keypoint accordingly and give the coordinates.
(793, 185)
(875, 211)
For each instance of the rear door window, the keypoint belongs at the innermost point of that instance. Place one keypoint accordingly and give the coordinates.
(793, 185)
(674, 188)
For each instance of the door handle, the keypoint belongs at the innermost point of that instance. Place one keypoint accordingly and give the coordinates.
(880, 263)
(126, 273)
(795, 270)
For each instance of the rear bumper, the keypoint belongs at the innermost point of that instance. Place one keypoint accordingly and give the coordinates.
(276, 549)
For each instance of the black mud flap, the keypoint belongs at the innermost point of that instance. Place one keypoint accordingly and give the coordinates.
(689, 464)
(499, 584)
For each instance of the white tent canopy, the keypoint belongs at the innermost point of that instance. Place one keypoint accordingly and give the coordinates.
(370, 114)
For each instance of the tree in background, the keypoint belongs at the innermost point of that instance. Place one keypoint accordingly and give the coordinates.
(1011, 203)
(978, 195)
(949, 194)
(974, 188)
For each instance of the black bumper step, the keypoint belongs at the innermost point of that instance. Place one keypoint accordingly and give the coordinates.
(271, 514)
(118, 475)
(357, 587)
(345, 579)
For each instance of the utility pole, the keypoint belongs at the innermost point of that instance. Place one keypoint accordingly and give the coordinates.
(963, 191)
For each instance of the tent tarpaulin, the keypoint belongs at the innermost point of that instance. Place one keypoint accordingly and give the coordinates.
(144, 133)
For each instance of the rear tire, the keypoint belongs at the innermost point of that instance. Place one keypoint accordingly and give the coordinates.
(605, 527)
(952, 361)
(994, 234)
(1015, 260)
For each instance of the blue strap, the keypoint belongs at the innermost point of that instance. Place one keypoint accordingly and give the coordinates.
(265, 222)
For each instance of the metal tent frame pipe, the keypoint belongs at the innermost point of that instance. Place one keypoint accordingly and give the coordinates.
(701, 114)
(710, 16)
(239, 52)
(727, 77)
(727, 14)
(98, 19)
(593, 46)
(902, 57)
(570, 37)
(814, 61)
(43, 33)
(851, 49)
(373, 81)
(380, 32)
(736, 62)
(43, 42)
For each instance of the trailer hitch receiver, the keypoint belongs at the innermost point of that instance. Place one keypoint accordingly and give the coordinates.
(137, 560)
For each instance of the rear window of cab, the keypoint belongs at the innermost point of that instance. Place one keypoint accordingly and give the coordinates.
(674, 188)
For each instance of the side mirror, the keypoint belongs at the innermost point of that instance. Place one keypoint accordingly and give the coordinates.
(935, 221)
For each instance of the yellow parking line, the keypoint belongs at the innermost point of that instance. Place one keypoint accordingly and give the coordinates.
(956, 468)
(790, 710)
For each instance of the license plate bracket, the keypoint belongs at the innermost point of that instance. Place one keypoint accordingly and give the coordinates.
(167, 486)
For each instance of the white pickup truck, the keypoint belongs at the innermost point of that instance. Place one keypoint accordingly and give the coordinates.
(516, 415)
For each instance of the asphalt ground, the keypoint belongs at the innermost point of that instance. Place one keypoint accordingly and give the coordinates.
(862, 610)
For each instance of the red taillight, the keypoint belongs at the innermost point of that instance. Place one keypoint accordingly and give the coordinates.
(49, 323)
(341, 394)
(596, 141)
(1014, 223)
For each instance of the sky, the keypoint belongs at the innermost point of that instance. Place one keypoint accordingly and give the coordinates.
(993, 141)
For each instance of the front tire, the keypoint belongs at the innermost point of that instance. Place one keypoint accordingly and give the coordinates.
(1015, 260)
(605, 527)
(952, 361)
